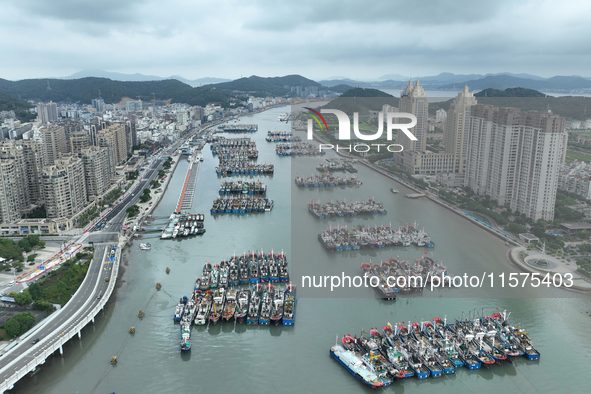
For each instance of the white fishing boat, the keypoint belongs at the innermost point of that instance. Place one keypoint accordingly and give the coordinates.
(145, 246)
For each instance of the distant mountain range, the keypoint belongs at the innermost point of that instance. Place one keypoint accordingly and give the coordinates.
(137, 77)
(449, 81)
(501, 82)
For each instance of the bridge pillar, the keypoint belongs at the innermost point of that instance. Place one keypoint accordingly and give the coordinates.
(80, 334)
(93, 320)
(61, 350)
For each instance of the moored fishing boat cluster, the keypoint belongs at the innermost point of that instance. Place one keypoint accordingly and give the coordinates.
(243, 187)
(431, 348)
(281, 136)
(297, 149)
(337, 164)
(238, 128)
(338, 239)
(243, 288)
(241, 205)
(327, 180)
(343, 208)
(184, 225)
(399, 276)
(247, 167)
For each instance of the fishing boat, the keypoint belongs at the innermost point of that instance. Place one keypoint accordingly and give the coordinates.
(219, 297)
(243, 299)
(353, 362)
(230, 306)
(145, 246)
(266, 304)
(255, 305)
(254, 274)
(204, 308)
(233, 274)
(395, 191)
(278, 304)
(242, 271)
(373, 357)
(289, 305)
(400, 340)
(180, 310)
(214, 277)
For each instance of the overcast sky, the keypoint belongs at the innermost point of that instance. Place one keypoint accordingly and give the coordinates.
(317, 39)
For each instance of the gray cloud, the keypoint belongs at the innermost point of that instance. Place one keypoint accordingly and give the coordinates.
(101, 12)
(316, 39)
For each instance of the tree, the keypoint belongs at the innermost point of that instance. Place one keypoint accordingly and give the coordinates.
(35, 291)
(26, 320)
(12, 327)
(19, 324)
(23, 298)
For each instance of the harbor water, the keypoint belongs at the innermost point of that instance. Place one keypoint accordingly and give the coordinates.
(296, 359)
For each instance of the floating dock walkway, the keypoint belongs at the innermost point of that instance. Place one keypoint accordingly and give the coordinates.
(186, 198)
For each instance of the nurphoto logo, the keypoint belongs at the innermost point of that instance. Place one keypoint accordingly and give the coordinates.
(345, 129)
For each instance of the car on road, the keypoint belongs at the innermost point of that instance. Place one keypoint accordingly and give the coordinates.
(35, 341)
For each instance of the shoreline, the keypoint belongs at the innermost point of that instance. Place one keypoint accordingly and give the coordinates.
(434, 199)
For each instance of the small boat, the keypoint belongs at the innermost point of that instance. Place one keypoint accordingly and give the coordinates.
(146, 246)
(395, 191)
(114, 360)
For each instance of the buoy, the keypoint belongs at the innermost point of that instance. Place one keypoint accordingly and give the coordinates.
(140, 314)
(132, 330)
(167, 270)
(114, 360)
(158, 286)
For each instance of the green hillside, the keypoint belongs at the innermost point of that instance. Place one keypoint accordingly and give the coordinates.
(20, 108)
(260, 86)
(362, 100)
(510, 92)
(83, 90)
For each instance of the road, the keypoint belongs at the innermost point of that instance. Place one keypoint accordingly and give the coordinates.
(89, 295)
(91, 289)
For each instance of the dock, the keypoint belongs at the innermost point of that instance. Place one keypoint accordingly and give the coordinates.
(186, 198)
(415, 195)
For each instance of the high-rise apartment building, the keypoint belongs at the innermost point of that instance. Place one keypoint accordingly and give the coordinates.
(97, 170)
(54, 143)
(133, 106)
(413, 100)
(514, 157)
(78, 141)
(457, 129)
(415, 158)
(47, 112)
(10, 203)
(114, 138)
(64, 187)
(131, 135)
